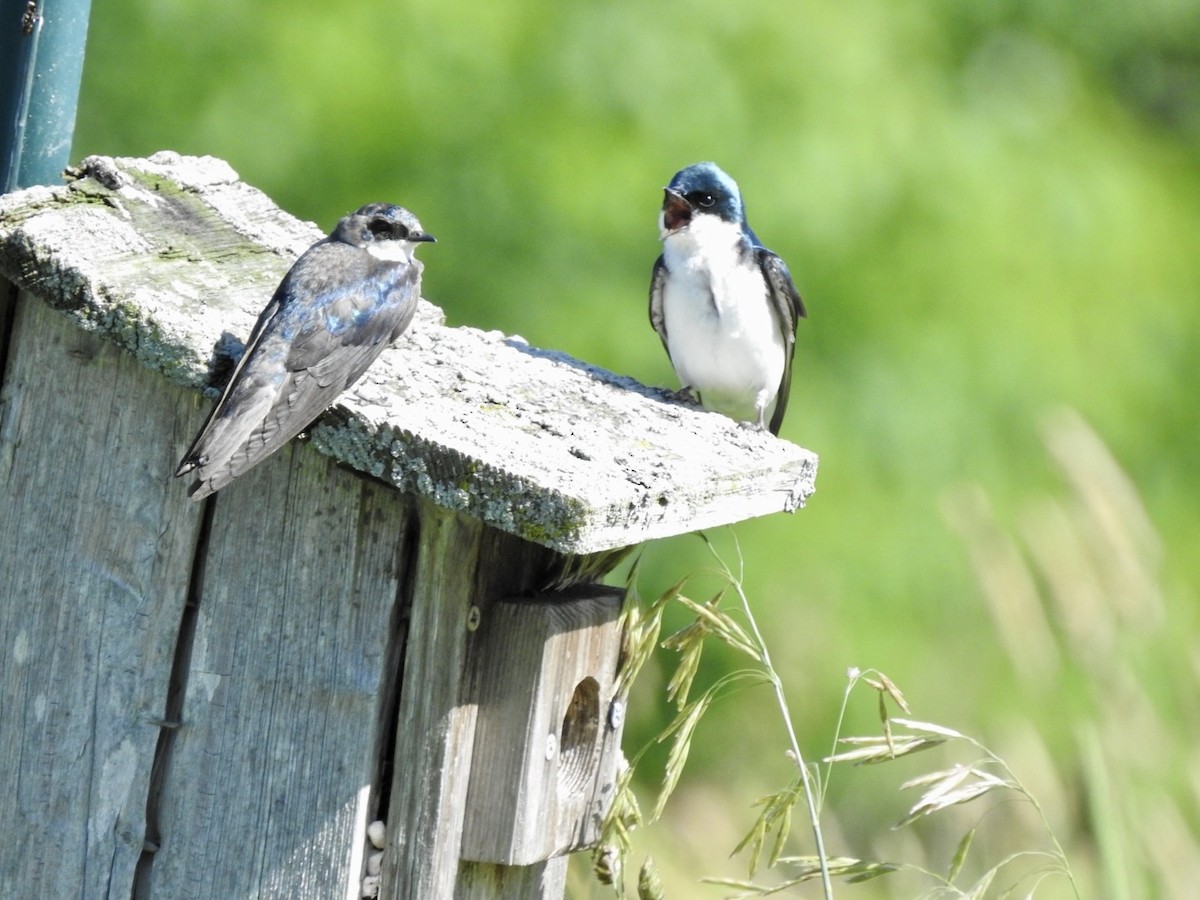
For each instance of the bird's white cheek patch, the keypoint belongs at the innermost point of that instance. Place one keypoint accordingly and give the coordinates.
(390, 251)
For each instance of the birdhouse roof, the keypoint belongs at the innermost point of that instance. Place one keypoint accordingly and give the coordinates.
(174, 257)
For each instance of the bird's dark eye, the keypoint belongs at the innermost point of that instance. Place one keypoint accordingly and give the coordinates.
(700, 198)
(383, 228)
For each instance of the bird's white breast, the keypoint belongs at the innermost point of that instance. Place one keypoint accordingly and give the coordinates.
(391, 251)
(721, 332)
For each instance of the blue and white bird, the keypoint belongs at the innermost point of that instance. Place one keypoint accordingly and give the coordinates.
(340, 305)
(723, 304)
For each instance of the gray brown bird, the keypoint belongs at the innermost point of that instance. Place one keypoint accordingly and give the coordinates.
(340, 305)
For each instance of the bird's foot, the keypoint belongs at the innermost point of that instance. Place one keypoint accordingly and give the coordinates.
(750, 424)
(685, 395)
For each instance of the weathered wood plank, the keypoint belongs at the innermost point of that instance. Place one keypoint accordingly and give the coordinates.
(545, 881)
(462, 567)
(94, 564)
(266, 782)
(544, 766)
(534, 468)
(435, 730)
(529, 441)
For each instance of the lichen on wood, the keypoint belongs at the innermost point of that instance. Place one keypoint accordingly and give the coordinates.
(173, 258)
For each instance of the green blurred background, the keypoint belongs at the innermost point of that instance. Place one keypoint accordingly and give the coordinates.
(992, 209)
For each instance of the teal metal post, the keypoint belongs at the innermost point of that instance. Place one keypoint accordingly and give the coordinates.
(41, 65)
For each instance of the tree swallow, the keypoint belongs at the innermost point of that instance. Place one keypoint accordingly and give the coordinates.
(723, 304)
(343, 301)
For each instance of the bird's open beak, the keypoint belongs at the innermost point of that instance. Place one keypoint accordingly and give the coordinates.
(676, 211)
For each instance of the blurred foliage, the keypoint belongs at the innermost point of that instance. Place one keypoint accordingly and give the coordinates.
(991, 208)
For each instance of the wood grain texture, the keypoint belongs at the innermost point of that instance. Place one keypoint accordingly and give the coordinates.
(460, 564)
(544, 766)
(180, 257)
(544, 881)
(265, 781)
(94, 565)
(436, 730)
(275, 620)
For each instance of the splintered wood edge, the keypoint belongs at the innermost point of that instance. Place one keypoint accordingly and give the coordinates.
(173, 257)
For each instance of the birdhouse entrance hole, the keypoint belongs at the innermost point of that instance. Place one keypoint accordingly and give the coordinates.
(577, 743)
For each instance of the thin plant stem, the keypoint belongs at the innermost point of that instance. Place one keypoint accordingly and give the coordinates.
(810, 798)
(1062, 854)
(837, 731)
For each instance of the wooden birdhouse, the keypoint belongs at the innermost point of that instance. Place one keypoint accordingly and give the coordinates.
(398, 619)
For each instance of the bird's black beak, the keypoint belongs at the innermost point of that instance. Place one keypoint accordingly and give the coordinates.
(422, 237)
(676, 211)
